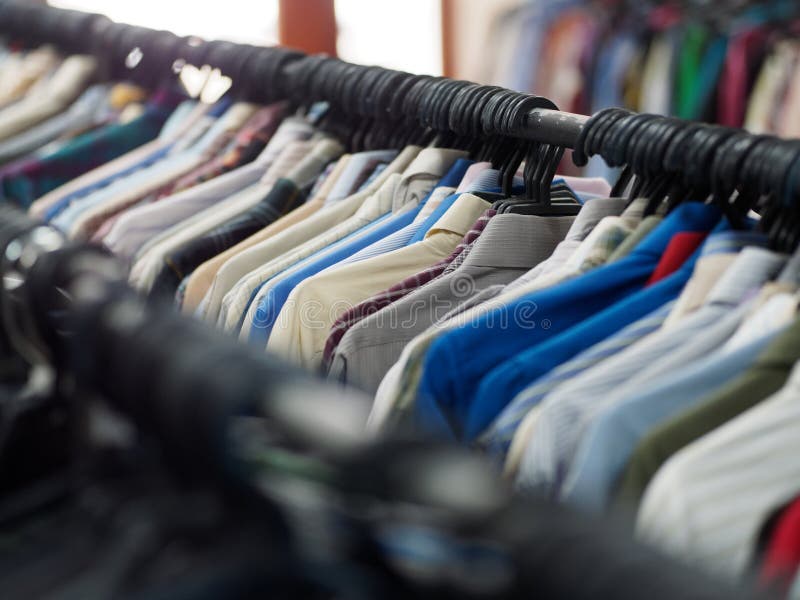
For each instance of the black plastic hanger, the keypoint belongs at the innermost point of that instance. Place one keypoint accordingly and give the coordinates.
(593, 131)
(672, 149)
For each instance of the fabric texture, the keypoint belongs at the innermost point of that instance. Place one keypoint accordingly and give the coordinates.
(182, 118)
(762, 377)
(272, 255)
(334, 289)
(140, 224)
(391, 234)
(398, 388)
(201, 294)
(453, 367)
(283, 197)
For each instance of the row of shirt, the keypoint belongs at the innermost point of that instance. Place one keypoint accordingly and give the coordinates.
(620, 358)
(734, 66)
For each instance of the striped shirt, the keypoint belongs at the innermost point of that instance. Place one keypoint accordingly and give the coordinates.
(709, 502)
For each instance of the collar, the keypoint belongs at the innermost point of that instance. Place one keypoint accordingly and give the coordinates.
(605, 238)
(517, 241)
(635, 211)
(690, 216)
(323, 186)
(286, 160)
(752, 268)
(732, 242)
(591, 213)
(439, 195)
(427, 168)
(290, 130)
(377, 204)
(460, 216)
(473, 172)
(488, 180)
(227, 124)
(311, 165)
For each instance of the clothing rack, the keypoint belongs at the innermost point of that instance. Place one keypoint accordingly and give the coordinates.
(257, 72)
(374, 101)
(358, 92)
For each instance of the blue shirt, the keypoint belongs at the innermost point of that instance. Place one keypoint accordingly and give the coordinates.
(458, 360)
(270, 305)
(500, 434)
(402, 238)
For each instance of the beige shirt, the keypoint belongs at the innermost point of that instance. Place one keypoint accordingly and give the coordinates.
(201, 280)
(398, 386)
(304, 323)
(768, 89)
(323, 228)
(26, 73)
(66, 84)
(707, 272)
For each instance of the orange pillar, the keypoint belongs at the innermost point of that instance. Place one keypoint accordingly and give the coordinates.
(448, 38)
(308, 25)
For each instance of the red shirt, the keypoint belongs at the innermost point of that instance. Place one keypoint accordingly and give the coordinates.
(680, 247)
(782, 558)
